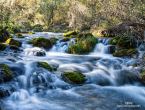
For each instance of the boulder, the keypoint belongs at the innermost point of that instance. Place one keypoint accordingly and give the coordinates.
(39, 53)
(41, 42)
(5, 73)
(2, 46)
(74, 78)
(11, 41)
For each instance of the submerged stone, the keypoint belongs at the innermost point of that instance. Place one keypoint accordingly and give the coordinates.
(45, 65)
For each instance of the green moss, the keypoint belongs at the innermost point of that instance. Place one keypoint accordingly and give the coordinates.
(41, 42)
(46, 65)
(13, 42)
(14, 47)
(143, 75)
(84, 44)
(26, 32)
(53, 40)
(70, 33)
(125, 52)
(31, 32)
(20, 36)
(55, 31)
(126, 42)
(7, 69)
(66, 39)
(4, 35)
(131, 52)
(114, 40)
(2, 46)
(75, 77)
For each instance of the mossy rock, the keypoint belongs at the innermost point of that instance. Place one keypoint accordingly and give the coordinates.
(5, 72)
(25, 32)
(84, 44)
(126, 42)
(2, 46)
(53, 40)
(11, 41)
(66, 39)
(37, 29)
(4, 35)
(143, 75)
(114, 41)
(74, 77)
(125, 52)
(131, 52)
(45, 65)
(31, 32)
(41, 42)
(68, 34)
(14, 47)
(20, 36)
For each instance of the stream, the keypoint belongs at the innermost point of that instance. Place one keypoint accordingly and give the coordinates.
(112, 83)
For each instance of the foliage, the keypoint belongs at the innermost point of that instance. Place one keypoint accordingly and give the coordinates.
(85, 43)
(75, 77)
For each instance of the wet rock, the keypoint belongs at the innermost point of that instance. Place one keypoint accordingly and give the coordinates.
(12, 60)
(4, 92)
(39, 53)
(13, 42)
(111, 49)
(5, 73)
(73, 78)
(2, 46)
(13, 47)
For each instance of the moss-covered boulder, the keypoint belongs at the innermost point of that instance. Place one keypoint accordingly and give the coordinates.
(74, 77)
(53, 40)
(37, 29)
(20, 36)
(11, 41)
(66, 39)
(41, 42)
(125, 52)
(85, 43)
(31, 32)
(68, 34)
(4, 34)
(5, 72)
(45, 65)
(13, 47)
(131, 52)
(143, 75)
(25, 32)
(124, 42)
(2, 46)
(120, 53)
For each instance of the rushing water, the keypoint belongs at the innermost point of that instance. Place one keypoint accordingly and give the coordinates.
(111, 82)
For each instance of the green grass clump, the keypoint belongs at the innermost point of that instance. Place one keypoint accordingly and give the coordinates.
(75, 77)
(46, 65)
(11, 41)
(6, 68)
(2, 46)
(85, 43)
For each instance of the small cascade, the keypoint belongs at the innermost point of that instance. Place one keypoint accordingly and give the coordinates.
(62, 46)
